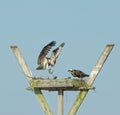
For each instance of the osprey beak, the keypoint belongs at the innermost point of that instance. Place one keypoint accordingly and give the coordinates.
(69, 70)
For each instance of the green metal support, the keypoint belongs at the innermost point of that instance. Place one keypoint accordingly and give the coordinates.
(29, 77)
(91, 79)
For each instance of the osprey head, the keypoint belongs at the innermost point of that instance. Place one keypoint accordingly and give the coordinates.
(70, 70)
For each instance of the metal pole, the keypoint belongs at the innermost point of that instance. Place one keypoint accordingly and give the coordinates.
(60, 102)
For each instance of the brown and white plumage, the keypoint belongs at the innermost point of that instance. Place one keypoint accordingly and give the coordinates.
(43, 61)
(55, 54)
(78, 73)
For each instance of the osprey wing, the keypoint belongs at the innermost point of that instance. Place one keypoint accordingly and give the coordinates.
(77, 72)
(57, 51)
(82, 74)
(45, 51)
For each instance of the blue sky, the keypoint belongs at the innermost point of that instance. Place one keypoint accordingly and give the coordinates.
(85, 26)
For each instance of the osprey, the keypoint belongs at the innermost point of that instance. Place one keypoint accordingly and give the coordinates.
(45, 62)
(78, 73)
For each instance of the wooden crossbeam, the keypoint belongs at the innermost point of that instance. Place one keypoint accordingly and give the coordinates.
(59, 84)
(91, 79)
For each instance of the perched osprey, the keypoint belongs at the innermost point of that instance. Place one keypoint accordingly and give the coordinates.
(45, 62)
(78, 73)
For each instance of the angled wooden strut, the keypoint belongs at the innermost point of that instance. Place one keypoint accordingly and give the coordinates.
(91, 79)
(29, 76)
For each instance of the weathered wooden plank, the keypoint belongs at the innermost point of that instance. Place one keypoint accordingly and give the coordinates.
(42, 101)
(29, 76)
(59, 84)
(22, 63)
(91, 79)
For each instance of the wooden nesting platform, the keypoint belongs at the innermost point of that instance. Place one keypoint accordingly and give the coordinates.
(59, 84)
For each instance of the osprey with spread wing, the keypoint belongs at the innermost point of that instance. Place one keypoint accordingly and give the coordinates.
(45, 62)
